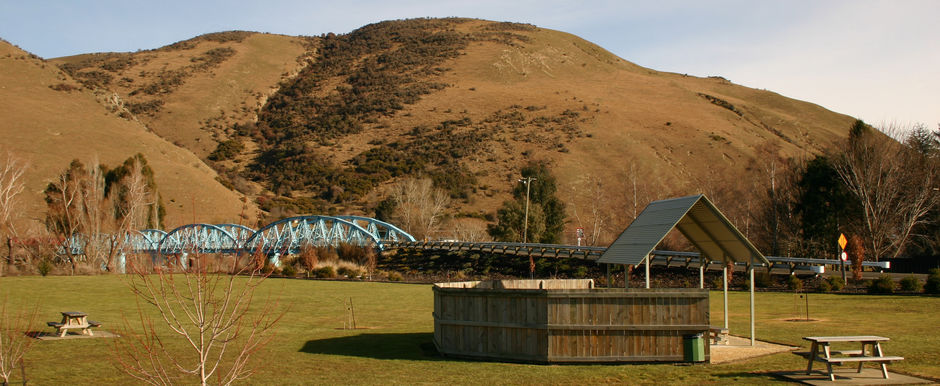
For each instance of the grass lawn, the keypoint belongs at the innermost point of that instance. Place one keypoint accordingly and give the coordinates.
(311, 346)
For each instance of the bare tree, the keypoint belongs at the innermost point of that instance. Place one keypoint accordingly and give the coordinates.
(925, 239)
(633, 180)
(893, 183)
(209, 329)
(591, 189)
(419, 206)
(628, 196)
(14, 343)
(469, 231)
(773, 220)
(94, 222)
(731, 194)
(65, 208)
(768, 157)
(11, 185)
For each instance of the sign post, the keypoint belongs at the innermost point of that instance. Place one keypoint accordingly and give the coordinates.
(842, 255)
(580, 233)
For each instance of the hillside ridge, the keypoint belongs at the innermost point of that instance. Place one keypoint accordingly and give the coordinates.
(51, 119)
(328, 124)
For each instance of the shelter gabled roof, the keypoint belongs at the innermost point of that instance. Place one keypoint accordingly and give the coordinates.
(698, 220)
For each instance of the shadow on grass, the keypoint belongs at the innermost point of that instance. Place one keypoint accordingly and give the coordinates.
(408, 346)
(755, 377)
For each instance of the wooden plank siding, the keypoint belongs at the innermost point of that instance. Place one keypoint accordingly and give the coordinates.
(565, 321)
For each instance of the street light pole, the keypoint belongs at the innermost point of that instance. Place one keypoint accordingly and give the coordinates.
(525, 224)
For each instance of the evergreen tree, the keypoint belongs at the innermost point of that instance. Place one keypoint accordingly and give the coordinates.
(546, 220)
(825, 206)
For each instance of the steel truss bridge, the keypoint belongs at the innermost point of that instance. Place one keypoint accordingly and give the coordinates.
(283, 237)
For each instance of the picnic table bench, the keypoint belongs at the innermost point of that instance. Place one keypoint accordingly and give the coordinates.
(74, 320)
(848, 356)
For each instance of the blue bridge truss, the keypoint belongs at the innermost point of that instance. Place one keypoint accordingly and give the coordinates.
(287, 236)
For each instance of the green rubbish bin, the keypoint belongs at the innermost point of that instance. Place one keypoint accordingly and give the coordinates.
(693, 348)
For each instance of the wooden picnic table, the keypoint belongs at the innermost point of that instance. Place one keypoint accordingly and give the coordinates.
(859, 356)
(74, 320)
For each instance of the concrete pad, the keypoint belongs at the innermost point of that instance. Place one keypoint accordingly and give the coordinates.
(42, 335)
(738, 348)
(847, 375)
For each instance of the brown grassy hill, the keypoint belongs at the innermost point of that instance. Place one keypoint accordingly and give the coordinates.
(191, 91)
(49, 119)
(678, 134)
(676, 128)
(326, 124)
(468, 102)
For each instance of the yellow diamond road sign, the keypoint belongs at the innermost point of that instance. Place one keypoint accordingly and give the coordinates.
(842, 241)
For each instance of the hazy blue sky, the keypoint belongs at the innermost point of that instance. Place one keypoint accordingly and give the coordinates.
(876, 60)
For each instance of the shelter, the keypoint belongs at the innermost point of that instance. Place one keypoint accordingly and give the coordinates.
(702, 224)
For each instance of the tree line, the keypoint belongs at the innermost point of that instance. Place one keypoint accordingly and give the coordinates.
(881, 187)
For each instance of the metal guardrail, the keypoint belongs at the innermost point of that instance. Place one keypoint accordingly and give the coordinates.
(812, 261)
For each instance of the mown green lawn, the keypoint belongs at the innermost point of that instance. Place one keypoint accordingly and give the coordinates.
(312, 348)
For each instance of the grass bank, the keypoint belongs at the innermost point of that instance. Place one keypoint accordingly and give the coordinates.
(393, 344)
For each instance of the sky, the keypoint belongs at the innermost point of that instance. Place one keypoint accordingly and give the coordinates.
(878, 60)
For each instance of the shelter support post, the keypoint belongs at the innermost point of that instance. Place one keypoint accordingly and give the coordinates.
(608, 275)
(724, 277)
(750, 269)
(701, 274)
(648, 271)
(626, 276)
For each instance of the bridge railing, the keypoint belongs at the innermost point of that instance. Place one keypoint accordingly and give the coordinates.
(519, 249)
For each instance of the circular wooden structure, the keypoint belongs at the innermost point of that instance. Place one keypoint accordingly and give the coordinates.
(562, 321)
